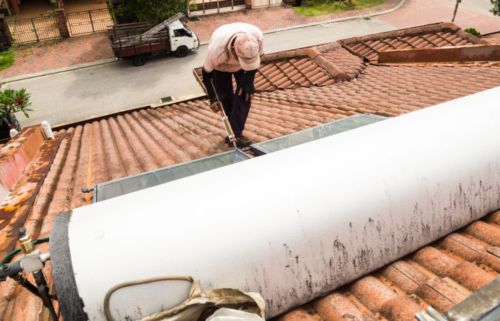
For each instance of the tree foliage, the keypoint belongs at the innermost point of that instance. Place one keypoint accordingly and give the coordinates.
(496, 7)
(150, 10)
(12, 101)
(495, 10)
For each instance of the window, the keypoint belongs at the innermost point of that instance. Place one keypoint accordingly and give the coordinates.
(181, 33)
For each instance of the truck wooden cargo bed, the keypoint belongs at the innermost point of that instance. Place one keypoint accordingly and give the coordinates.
(138, 41)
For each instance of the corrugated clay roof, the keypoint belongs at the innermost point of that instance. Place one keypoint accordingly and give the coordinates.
(293, 73)
(492, 38)
(304, 67)
(132, 142)
(428, 36)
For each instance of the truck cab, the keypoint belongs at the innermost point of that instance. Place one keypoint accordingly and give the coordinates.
(182, 39)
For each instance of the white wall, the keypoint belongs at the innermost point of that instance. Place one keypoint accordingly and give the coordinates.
(265, 3)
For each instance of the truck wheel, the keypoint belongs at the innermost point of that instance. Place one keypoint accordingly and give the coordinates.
(139, 60)
(182, 51)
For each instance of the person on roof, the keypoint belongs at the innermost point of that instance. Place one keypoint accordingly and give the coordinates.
(234, 50)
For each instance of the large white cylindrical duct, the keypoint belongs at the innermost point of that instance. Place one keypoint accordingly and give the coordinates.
(291, 225)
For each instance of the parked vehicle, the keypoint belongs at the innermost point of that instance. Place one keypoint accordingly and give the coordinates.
(139, 41)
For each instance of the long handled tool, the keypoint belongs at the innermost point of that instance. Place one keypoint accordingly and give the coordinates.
(225, 120)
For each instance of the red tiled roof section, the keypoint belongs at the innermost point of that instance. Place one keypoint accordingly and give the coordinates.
(428, 36)
(305, 67)
(492, 38)
(136, 141)
(348, 63)
(288, 74)
(107, 149)
(293, 73)
(394, 90)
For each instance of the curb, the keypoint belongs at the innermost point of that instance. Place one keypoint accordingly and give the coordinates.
(58, 70)
(203, 43)
(175, 100)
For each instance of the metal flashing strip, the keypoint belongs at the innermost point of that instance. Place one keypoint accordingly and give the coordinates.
(314, 133)
(137, 182)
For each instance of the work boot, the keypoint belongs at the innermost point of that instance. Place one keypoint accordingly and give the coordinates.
(242, 142)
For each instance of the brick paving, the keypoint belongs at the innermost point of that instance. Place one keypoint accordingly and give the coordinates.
(59, 54)
(436, 11)
(273, 18)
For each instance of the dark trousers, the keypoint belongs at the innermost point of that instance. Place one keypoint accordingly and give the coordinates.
(235, 106)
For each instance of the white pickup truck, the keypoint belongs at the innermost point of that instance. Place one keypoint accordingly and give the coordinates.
(139, 41)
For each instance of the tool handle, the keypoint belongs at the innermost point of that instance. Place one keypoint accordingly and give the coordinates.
(227, 124)
(229, 130)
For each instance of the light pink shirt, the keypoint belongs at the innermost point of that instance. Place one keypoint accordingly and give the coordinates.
(219, 55)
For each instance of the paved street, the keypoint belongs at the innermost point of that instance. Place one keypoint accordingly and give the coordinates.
(81, 94)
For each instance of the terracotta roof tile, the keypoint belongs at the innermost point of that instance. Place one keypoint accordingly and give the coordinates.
(488, 233)
(297, 69)
(350, 64)
(345, 305)
(297, 89)
(302, 314)
(492, 38)
(440, 294)
(429, 36)
(400, 308)
(372, 293)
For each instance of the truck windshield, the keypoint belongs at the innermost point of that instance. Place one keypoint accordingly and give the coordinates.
(182, 33)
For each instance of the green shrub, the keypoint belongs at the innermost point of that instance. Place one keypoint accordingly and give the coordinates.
(13, 101)
(7, 59)
(473, 31)
(321, 7)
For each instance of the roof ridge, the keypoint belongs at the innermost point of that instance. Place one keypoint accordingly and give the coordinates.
(490, 33)
(439, 26)
(463, 53)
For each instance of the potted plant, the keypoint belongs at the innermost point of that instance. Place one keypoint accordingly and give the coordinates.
(11, 102)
